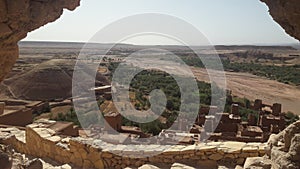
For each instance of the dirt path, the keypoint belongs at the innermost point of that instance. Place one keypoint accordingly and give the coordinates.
(254, 87)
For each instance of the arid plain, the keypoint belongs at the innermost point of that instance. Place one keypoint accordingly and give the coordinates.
(41, 57)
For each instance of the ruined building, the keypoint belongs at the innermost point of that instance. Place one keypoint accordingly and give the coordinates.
(230, 126)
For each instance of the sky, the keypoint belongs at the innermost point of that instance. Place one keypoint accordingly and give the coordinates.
(223, 22)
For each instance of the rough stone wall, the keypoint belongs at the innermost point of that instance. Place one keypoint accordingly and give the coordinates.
(87, 153)
(18, 17)
(284, 148)
(287, 14)
(283, 151)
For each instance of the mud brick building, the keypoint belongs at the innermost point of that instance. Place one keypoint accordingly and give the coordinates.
(266, 120)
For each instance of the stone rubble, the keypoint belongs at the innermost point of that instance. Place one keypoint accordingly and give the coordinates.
(283, 151)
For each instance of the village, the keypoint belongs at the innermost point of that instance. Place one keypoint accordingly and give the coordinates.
(210, 123)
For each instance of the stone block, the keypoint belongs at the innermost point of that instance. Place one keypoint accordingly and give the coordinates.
(257, 162)
(87, 164)
(216, 157)
(2, 104)
(250, 149)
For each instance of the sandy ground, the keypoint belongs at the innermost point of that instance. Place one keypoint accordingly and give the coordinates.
(254, 87)
(241, 84)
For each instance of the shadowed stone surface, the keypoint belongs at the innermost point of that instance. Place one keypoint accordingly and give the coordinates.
(287, 14)
(4, 161)
(34, 164)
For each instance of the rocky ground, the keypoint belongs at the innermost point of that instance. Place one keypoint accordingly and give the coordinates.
(9, 159)
(283, 151)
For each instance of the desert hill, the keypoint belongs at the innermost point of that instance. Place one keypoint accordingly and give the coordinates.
(47, 81)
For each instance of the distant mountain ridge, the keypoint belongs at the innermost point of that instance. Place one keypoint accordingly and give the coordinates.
(51, 44)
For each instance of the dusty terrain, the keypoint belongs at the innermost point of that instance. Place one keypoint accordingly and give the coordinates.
(254, 87)
(242, 85)
(45, 69)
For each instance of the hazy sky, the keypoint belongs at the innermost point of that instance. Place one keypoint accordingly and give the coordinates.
(222, 21)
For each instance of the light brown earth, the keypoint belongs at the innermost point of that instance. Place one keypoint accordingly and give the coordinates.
(254, 87)
(242, 85)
